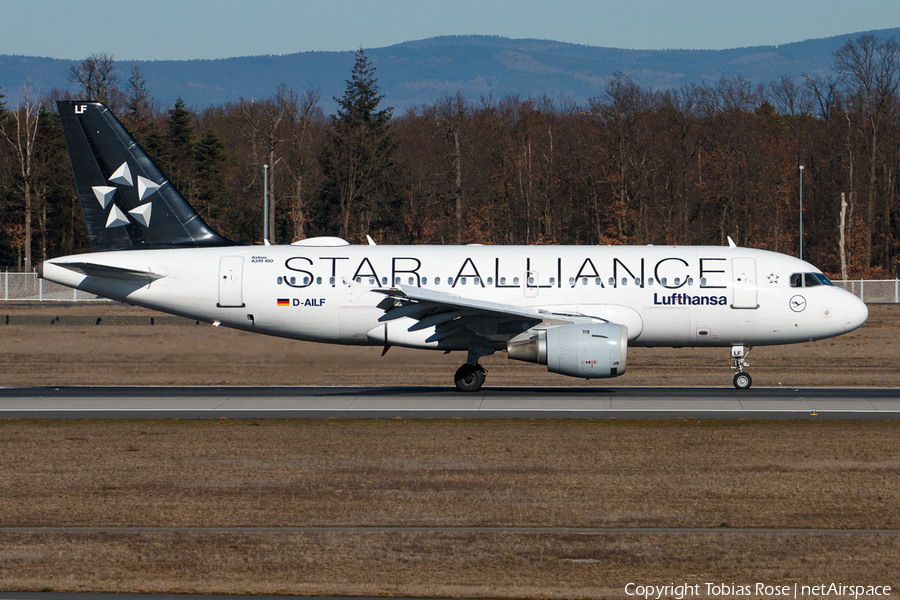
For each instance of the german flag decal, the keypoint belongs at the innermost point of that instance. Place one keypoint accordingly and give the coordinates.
(284, 302)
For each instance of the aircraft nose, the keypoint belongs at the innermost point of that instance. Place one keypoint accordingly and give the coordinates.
(856, 313)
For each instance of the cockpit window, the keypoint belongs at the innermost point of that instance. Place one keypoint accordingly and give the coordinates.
(822, 279)
(809, 280)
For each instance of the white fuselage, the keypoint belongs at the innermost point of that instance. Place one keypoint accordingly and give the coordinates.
(664, 295)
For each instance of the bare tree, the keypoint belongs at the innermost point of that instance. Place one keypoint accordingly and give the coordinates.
(96, 76)
(26, 117)
(261, 121)
(301, 115)
(448, 114)
(870, 73)
(789, 98)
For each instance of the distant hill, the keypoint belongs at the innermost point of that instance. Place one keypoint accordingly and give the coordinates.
(419, 72)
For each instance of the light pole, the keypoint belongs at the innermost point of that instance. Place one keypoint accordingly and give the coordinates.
(801, 212)
(266, 207)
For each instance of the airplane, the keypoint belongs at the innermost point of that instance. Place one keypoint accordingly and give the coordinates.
(575, 309)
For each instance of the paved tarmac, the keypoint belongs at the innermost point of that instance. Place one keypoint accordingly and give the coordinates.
(442, 402)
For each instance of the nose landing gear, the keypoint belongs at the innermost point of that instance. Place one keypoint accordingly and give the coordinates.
(742, 380)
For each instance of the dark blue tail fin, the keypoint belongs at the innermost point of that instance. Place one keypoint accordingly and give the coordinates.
(128, 202)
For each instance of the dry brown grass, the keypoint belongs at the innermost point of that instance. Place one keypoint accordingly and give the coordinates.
(201, 355)
(445, 473)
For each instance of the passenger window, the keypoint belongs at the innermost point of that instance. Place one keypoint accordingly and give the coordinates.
(384, 281)
(572, 281)
(624, 281)
(612, 281)
(503, 281)
(515, 281)
(424, 281)
(477, 281)
(531, 281)
(411, 280)
(318, 281)
(490, 281)
(598, 281)
(306, 281)
(584, 281)
(637, 281)
(293, 280)
(650, 281)
(552, 280)
(331, 280)
(279, 280)
(690, 281)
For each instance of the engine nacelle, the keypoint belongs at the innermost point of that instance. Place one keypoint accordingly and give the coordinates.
(592, 351)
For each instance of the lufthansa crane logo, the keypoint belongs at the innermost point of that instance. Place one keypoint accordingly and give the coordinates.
(798, 303)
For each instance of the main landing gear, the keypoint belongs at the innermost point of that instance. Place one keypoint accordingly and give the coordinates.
(469, 378)
(742, 380)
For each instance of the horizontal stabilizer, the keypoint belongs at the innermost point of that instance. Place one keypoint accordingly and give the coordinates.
(107, 272)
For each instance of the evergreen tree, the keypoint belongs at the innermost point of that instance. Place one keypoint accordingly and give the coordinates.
(210, 156)
(358, 154)
(179, 146)
(139, 105)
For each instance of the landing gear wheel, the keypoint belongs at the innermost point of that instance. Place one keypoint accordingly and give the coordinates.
(469, 378)
(743, 381)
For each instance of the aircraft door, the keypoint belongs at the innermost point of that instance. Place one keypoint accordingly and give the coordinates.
(743, 282)
(231, 271)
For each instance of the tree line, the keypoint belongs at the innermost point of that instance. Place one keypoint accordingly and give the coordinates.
(695, 165)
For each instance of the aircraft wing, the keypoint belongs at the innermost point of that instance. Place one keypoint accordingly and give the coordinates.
(453, 315)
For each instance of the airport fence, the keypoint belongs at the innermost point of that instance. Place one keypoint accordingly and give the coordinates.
(873, 291)
(28, 287)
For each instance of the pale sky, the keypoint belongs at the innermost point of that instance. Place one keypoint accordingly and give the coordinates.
(189, 29)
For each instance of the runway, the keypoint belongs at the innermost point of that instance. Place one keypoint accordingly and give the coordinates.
(442, 402)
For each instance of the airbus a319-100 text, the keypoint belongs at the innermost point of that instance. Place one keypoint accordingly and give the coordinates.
(575, 309)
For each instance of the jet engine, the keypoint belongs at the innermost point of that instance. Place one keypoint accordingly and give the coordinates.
(591, 350)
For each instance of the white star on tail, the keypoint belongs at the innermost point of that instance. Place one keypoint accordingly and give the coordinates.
(116, 218)
(122, 175)
(141, 214)
(104, 194)
(145, 187)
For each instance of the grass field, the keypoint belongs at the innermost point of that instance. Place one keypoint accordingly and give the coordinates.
(714, 475)
(202, 355)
